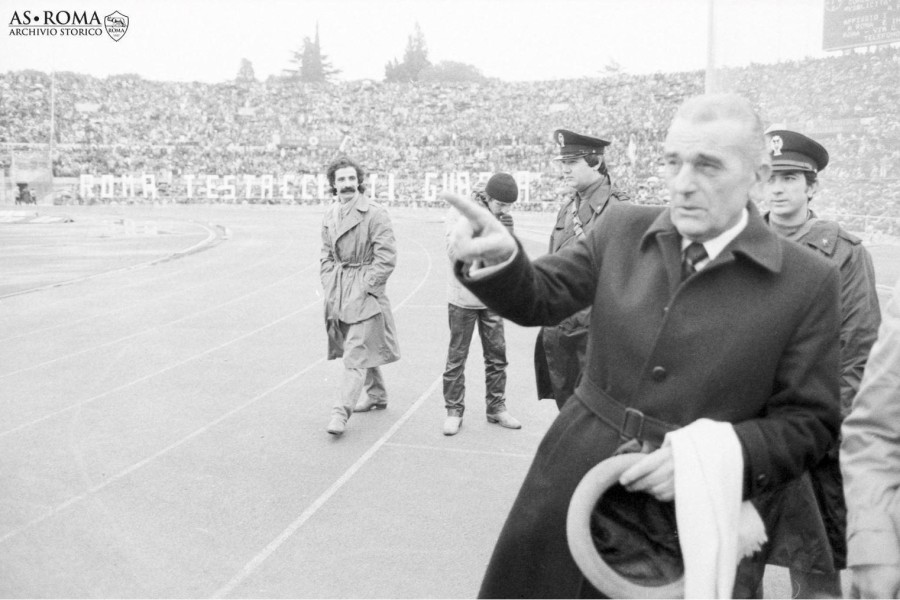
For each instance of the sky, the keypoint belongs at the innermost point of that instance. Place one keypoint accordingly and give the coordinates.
(516, 40)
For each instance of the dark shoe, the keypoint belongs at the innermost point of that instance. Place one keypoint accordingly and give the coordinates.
(504, 419)
(370, 404)
(336, 426)
(452, 424)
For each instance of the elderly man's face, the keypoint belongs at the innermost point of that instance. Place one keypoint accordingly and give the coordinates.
(709, 172)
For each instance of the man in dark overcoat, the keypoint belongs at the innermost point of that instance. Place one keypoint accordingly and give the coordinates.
(701, 311)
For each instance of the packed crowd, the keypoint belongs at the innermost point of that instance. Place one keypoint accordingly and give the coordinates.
(125, 124)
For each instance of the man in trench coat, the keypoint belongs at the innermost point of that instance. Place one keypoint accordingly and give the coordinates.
(358, 256)
(870, 463)
(699, 310)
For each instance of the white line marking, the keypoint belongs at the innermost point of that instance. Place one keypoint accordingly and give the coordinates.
(149, 459)
(307, 514)
(462, 450)
(77, 498)
(143, 265)
(161, 325)
(137, 284)
(78, 405)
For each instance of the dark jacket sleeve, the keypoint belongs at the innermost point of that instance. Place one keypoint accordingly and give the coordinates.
(542, 292)
(802, 416)
(861, 316)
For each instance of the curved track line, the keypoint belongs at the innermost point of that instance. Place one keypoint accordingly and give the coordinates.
(203, 245)
(270, 258)
(106, 482)
(156, 327)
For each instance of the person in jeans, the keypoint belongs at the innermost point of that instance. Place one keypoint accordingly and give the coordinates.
(465, 310)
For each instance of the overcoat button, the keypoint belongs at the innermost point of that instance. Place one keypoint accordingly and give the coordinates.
(658, 373)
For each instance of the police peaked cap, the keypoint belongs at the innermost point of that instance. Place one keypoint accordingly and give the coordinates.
(792, 151)
(573, 145)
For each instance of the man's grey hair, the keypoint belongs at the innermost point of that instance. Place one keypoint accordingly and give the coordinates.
(713, 107)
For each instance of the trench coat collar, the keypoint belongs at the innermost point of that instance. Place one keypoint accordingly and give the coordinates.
(361, 206)
(757, 242)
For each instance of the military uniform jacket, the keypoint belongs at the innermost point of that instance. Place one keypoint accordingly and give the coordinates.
(560, 350)
(860, 313)
(751, 339)
(806, 521)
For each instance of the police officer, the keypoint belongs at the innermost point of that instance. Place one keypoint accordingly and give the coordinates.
(560, 350)
(807, 521)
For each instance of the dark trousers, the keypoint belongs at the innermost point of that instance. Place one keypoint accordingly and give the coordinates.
(490, 329)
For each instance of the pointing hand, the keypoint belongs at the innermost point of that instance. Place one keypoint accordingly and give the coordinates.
(478, 235)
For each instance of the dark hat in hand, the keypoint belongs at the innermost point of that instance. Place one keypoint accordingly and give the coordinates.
(574, 145)
(792, 151)
(502, 188)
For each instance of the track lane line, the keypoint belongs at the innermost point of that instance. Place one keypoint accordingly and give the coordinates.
(196, 433)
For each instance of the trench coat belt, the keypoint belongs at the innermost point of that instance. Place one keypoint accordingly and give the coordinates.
(629, 422)
(356, 265)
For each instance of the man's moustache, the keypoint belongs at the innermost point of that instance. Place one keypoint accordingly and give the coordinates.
(347, 189)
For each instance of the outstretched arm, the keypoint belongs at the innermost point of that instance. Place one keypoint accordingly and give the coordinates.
(479, 236)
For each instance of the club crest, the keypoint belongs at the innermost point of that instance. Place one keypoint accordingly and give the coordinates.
(116, 25)
(777, 143)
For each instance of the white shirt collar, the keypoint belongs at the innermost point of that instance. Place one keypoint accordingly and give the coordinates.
(715, 246)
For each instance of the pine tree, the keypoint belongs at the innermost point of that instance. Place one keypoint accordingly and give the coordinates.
(245, 72)
(312, 65)
(415, 59)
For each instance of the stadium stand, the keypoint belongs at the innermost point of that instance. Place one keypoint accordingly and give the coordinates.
(124, 125)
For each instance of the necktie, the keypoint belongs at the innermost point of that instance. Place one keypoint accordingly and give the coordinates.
(693, 254)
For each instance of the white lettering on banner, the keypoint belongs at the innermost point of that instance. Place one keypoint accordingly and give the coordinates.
(304, 180)
(287, 183)
(523, 179)
(106, 187)
(463, 183)
(85, 184)
(229, 187)
(268, 186)
(430, 190)
(289, 187)
(148, 185)
(128, 186)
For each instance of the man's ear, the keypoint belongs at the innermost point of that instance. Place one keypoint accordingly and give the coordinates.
(760, 178)
(763, 172)
(812, 189)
